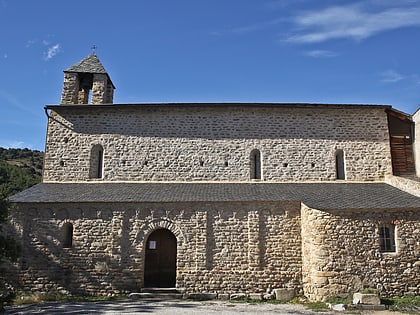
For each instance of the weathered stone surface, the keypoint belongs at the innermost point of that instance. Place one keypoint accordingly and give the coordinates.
(214, 143)
(223, 296)
(284, 294)
(224, 246)
(365, 298)
(269, 296)
(416, 120)
(238, 296)
(341, 253)
(406, 184)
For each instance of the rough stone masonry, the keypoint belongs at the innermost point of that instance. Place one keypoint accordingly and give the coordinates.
(257, 196)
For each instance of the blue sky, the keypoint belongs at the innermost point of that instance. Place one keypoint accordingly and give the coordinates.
(364, 52)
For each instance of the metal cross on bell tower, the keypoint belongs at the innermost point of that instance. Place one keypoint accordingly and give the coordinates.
(94, 47)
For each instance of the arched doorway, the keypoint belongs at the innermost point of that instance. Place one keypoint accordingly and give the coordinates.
(160, 260)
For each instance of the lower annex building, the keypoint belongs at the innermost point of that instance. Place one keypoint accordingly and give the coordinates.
(220, 197)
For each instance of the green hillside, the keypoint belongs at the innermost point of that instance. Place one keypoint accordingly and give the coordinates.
(19, 169)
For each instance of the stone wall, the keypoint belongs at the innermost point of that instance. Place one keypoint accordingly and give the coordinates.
(70, 89)
(99, 88)
(416, 120)
(215, 142)
(222, 247)
(225, 247)
(341, 253)
(410, 185)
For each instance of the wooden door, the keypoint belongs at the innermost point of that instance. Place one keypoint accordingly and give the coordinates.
(402, 155)
(160, 260)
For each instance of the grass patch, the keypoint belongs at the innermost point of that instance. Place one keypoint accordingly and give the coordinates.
(316, 306)
(401, 302)
(246, 300)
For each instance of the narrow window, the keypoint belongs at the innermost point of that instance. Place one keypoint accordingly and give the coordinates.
(67, 235)
(387, 238)
(339, 165)
(255, 164)
(96, 162)
(100, 162)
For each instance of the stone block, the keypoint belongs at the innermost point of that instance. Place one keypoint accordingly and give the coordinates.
(269, 296)
(238, 296)
(284, 294)
(366, 298)
(223, 296)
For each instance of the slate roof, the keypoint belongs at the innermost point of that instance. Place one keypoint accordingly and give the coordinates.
(221, 104)
(315, 195)
(90, 64)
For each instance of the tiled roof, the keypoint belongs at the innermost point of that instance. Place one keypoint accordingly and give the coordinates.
(315, 195)
(90, 64)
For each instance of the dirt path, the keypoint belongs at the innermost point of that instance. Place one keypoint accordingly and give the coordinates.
(173, 307)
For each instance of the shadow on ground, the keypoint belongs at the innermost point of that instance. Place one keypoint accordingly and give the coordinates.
(123, 307)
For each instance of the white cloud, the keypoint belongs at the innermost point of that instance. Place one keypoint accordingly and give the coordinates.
(320, 54)
(356, 21)
(52, 51)
(391, 76)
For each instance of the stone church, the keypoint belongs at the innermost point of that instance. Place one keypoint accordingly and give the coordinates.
(220, 198)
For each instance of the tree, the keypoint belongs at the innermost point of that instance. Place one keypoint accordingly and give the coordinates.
(13, 179)
(10, 250)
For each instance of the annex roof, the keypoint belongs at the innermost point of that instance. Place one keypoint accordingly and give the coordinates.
(321, 196)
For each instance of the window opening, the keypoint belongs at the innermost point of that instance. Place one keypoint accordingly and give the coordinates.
(387, 238)
(339, 164)
(67, 240)
(255, 164)
(100, 162)
(96, 162)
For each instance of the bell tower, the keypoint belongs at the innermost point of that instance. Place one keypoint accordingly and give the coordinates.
(86, 80)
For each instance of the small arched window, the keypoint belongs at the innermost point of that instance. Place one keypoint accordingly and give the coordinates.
(67, 235)
(255, 164)
(339, 164)
(96, 161)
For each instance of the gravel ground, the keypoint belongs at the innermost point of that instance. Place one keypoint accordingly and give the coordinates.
(170, 307)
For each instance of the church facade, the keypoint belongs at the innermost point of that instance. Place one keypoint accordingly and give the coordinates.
(220, 198)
